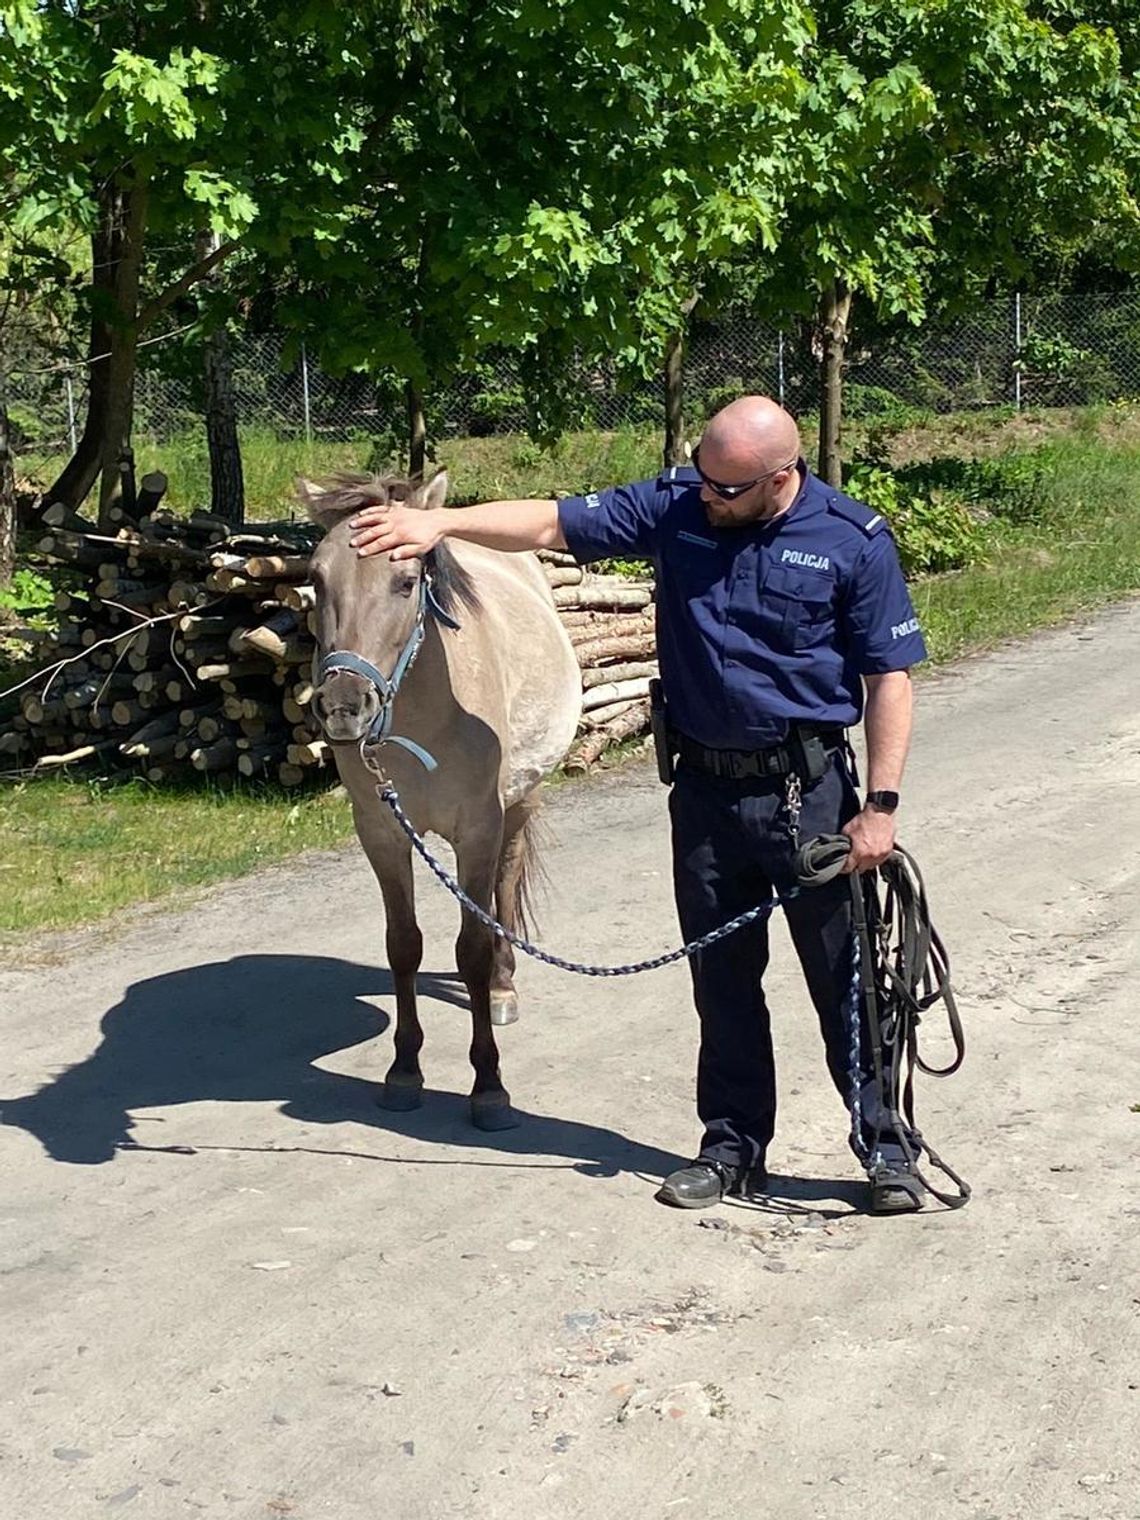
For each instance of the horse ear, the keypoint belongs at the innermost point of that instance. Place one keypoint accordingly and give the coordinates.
(315, 500)
(435, 492)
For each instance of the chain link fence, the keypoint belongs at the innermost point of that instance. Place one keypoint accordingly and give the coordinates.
(1040, 351)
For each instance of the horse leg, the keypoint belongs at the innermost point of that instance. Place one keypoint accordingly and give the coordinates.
(510, 898)
(477, 862)
(402, 1087)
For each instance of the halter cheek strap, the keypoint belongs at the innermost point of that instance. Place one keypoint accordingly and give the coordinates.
(427, 595)
(386, 687)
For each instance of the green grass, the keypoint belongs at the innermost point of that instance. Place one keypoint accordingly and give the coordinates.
(270, 465)
(1082, 552)
(494, 469)
(481, 469)
(488, 469)
(78, 851)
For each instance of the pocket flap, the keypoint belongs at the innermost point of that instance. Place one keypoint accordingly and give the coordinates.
(798, 583)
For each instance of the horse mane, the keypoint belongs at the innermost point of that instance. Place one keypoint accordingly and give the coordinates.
(332, 500)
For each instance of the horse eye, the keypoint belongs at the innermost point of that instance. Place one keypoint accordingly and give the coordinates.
(406, 585)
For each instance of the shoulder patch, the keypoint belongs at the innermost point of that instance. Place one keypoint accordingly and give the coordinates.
(864, 518)
(678, 477)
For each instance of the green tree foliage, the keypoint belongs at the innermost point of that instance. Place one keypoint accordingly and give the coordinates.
(554, 176)
(411, 183)
(942, 140)
(165, 118)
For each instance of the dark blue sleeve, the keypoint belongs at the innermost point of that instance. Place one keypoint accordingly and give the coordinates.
(624, 520)
(881, 622)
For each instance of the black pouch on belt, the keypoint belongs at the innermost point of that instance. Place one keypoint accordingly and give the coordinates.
(809, 755)
(659, 727)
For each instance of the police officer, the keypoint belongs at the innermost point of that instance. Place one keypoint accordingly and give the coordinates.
(782, 619)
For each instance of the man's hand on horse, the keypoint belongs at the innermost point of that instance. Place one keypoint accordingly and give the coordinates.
(399, 532)
(872, 835)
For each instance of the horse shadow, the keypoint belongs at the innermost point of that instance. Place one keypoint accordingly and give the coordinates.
(252, 1030)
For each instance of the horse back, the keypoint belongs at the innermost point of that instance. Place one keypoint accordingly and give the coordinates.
(512, 663)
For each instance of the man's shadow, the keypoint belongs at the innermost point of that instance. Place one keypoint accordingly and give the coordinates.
(251, 1030)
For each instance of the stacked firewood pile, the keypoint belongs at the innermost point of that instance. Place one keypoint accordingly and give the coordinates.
(189, 648)
(611, 626)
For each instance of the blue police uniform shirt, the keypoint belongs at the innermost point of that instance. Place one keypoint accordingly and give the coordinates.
(763, 624)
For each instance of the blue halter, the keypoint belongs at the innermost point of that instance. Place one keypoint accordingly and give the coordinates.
(386, 687)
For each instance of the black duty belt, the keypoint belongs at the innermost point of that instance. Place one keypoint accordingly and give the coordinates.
(743, 764)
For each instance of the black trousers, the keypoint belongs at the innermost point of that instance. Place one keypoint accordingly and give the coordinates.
(731, 850)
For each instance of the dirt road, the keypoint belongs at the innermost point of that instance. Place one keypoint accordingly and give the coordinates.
(233, 1287)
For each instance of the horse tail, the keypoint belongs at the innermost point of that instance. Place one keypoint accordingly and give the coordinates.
(528, 882)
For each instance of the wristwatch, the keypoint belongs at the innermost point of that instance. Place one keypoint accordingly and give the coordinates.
(888, 801)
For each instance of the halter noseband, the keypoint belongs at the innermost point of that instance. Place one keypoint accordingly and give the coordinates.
(387, 687)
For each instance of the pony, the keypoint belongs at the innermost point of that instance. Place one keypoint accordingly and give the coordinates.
(454, 675)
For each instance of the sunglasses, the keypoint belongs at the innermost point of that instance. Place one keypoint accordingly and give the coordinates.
(731, 492)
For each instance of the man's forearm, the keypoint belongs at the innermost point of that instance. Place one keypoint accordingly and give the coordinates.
(404, 532)
(887, 725)
(509, 525)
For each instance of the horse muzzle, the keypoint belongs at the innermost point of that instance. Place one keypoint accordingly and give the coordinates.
(363, 714)
(346, 707)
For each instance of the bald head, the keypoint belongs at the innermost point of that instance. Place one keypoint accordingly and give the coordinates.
(749, 451)
(752, 434)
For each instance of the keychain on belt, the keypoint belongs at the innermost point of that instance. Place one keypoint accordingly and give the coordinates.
(793, 806)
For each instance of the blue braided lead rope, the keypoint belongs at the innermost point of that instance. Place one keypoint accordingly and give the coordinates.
(389, 795)
(852, 1009)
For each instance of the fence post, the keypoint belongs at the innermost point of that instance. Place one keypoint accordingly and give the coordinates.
(1017, 351)
(780, 367)
(71, 432)
(305, 395)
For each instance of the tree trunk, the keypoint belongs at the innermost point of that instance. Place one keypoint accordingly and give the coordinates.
(116, 260)
(227, 485)
(131, 213)
(128, 495)
(7, 491)
(417, 430)
(82, 469)
(674, 376)
(835, 309)
(675, 399)
(417, 423)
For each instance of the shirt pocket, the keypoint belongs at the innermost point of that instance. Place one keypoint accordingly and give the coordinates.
(796, 607)
(694, 565)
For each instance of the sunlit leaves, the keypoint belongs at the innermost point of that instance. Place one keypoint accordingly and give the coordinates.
(153, 100)
(232, 209)
(938, 139)
(560, 177)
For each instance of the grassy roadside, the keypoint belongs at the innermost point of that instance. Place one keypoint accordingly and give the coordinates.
(77, 852)
(1081, 552)
(481, 469)
(486, 469)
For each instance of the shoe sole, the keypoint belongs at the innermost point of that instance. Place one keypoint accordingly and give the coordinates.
(674, 1202)
(895, 1200)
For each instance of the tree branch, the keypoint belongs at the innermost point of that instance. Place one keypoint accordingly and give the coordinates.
(172, 293)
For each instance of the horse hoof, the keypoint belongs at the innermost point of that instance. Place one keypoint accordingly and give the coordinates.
(400, 1098)
(493, 1111)
(504, 1008)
